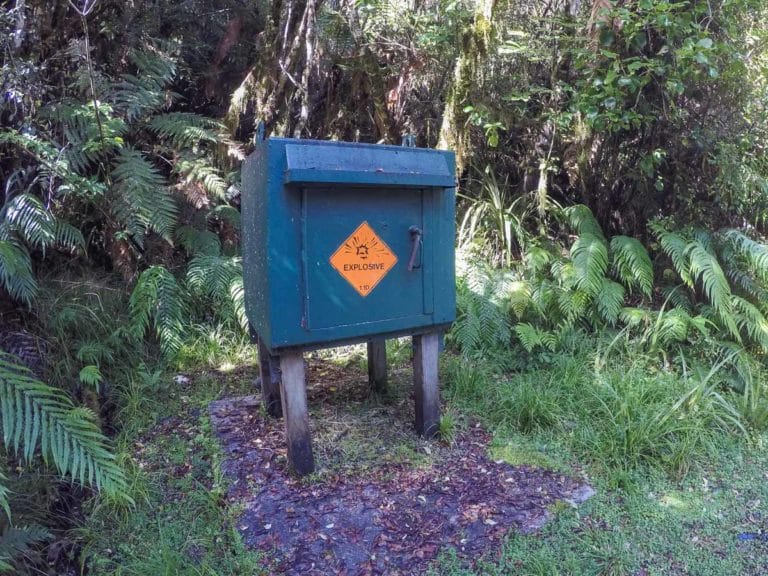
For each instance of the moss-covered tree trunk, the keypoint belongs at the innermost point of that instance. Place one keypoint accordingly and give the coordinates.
(476, 45)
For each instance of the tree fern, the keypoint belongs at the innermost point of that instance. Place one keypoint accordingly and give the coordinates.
(157, 301)
(632, 263)
(37, 416)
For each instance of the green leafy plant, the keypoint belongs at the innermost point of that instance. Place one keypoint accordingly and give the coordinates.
(16, 540)
(724, 275)
(157, 301)
(36, 416)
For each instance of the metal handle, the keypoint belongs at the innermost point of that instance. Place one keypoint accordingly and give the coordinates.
(416, 235)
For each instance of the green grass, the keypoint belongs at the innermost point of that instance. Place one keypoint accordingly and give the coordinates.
(181, 524)
(677, 479)
(662, 527)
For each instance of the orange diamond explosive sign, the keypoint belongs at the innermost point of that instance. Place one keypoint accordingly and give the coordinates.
(363, 259)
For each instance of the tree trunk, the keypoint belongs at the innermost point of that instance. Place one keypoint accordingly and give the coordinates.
(476, 44)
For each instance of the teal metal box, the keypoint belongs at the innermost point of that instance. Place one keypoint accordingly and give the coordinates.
(345, 241)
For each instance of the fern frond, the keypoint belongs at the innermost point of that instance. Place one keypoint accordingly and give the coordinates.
(632, 263)
(672, 326)
(35, 415)
(88, 139)
(213, 275)
(756, 253)
(751, 319)
(196, 170)
(532, 337)
(706, 269)
(483, 320)
(67, 236)
(237, 294)
(4, 492)
(634, 317)
(564, 272)
(573, 304)
(91, 376)
(544, 297)
(16, 272)
(537, 258)
(583, 221)
(609, 300)
(677, 296)
(676, 247)
(590, 261)
(747, 283)
(16, 540)
(158, 301)
(26, 216)
(203, 242)
(93, 352)
(185, 129)
(141, 94)
(519, 297)
(53, 165)
(142, 201)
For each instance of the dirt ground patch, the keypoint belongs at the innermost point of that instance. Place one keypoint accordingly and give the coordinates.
(384, 502)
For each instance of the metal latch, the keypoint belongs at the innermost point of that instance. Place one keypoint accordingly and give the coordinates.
(416, 235)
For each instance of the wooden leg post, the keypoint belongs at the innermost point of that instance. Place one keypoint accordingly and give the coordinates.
(425, 380)
(294, 399)
(269, 367)
(377, 364)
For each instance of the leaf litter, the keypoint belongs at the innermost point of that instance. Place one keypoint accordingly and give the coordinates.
(384, 502)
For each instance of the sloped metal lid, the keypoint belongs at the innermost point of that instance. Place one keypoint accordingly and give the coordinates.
(366, 165)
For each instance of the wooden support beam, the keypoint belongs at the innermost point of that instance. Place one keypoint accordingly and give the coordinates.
(269, 367)
(425, 381)
(294, 400)
(377, 364)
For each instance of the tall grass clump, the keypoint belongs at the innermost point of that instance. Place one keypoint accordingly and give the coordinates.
(620, 412)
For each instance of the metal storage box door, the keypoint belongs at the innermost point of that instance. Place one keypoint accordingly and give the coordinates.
(347, 241)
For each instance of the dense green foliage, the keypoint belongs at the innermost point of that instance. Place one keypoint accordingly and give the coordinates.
(613, 187)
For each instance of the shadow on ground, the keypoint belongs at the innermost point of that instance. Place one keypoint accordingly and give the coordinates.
(384, 501)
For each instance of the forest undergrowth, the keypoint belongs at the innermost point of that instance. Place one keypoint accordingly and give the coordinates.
(612, 263)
